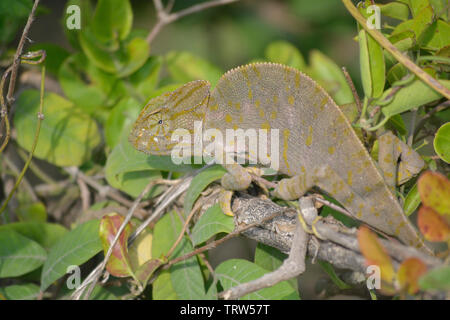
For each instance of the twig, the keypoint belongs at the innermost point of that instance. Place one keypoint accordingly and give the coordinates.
(116, 238)
(15, 66)
(40, 117)
(166, 199)
(404, 60)
(164, 17)
(352, 87)
(293, 266)
(102, 189)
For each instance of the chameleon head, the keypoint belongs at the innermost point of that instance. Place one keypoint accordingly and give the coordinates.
(161, 116)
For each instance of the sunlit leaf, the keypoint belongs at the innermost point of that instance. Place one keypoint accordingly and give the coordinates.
(441, 142)
(67, 135)
(112, 20)
(118, 264)
(330, 76)
(433, 226)
(409, 273)
(285, 53)
(434, 190)
(185, 67)
(372, 65)
(375, 254)
(407, 98)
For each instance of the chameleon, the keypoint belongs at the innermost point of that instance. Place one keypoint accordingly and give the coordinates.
(317, 144)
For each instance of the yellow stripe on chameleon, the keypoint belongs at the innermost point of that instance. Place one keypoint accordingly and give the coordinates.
(255, 69)
(291, 100)
(331, 150)
(265, 125)
(286, 134)
(238, 106)
(349, 177)
(308, 141)
(273, 115)
(297, 80)
(187, 95)
(323, 103)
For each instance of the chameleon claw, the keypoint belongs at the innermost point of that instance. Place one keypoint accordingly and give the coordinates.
(225, 202)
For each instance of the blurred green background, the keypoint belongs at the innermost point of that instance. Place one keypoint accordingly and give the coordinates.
(237, 33)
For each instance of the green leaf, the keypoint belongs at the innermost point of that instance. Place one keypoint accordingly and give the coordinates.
(212, 222)
(234, 272)
(120, 117)
(329, 269)
(112, 20)
(271, 259)
(76, 247)
(412, 201)
(407, 98)
(18, 254)
(186, 276)
(130, 170)
(285, 53)
(331, 77)
(199, 183)
(162, 288)
(67, 136)
(86, 12)
(31, 212)
(27, 291)
(437, 279)
(131, 55)
(165, 233)
(146, 78)
(440, 37)
(86, 85)
(441, 142)
(372, 65)
(46, 234)
(185, 67)
(395, 10)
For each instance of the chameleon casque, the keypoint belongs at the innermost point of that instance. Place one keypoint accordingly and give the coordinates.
(317, 145)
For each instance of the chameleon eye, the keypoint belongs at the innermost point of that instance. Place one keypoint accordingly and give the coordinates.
(160, 121)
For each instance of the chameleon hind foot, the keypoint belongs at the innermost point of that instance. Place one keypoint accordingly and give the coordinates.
(225, 202)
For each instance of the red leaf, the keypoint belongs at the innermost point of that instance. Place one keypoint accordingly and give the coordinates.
(434, 190)
(432, 225)
(375, 254)
(118, 264)
(409, 273)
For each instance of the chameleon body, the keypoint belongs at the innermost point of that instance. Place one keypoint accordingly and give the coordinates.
(317, 145)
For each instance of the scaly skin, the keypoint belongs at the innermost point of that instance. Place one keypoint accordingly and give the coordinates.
(317, 145)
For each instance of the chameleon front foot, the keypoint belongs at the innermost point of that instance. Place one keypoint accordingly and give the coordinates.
(225, 202)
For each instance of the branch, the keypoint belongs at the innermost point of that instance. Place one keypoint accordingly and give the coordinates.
(340, 247)
(404, 60)
(164, 18)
